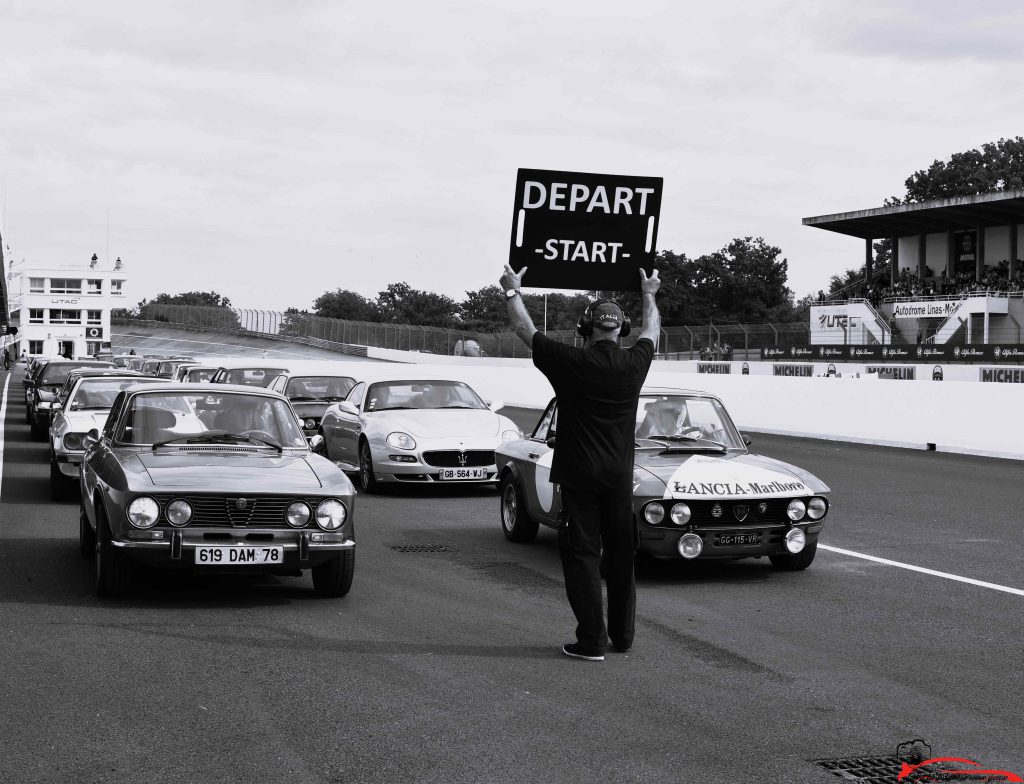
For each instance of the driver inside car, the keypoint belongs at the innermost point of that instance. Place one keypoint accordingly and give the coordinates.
(664, 417)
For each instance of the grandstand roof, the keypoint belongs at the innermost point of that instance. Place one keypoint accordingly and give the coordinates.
(927, 217)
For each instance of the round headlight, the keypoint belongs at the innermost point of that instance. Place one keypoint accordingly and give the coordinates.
(690, 546)
(309, 424)
(796, 509)
(401, 441)
(72, 441)
(795, 540)
(680, 514)
(654, 513)
(297, 514)
(816, 508)
(510, 435)
(143, 512)
(178, 512)
(330, 514)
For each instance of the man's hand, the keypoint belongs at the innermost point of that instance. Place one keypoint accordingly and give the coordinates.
(648, 285)
(510, 280)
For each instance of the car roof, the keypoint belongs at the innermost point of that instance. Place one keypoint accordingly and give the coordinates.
(203, 388)
(652, 390)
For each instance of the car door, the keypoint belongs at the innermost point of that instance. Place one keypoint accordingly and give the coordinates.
(349, 426)
(543, 500)
(337, 426)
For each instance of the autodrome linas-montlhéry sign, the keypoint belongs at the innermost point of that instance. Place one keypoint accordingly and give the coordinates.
(584, 231)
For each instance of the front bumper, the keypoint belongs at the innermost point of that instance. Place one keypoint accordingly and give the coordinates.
(178, 547)
(663, 542)
(69, 464)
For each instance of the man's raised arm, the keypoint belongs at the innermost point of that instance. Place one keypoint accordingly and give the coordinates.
(651, 316)
(519, 317)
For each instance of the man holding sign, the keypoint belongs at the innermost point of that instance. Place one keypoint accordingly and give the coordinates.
(598, 388)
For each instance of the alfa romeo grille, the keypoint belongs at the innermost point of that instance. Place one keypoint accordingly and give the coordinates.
(226, 511)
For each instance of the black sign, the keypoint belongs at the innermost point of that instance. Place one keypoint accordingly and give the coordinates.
(584, 231)
(803, 369)
(893, 371)
(714, 367)
(94, 333)
(965, 244)
(863, 353)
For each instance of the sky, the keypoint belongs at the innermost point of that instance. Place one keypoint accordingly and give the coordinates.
(273, 151)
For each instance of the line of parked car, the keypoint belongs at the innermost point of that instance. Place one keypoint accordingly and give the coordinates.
(225, 463)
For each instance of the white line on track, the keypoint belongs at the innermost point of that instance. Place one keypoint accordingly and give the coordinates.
(922, 570)
(3, 416)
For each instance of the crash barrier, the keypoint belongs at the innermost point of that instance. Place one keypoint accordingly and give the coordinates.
(968, 352)
(680, 341)
(968, 418)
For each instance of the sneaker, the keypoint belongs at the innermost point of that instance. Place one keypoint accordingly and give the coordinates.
(577, 651)
(621, 648)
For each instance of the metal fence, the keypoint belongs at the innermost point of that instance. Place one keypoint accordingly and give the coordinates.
(680, 342)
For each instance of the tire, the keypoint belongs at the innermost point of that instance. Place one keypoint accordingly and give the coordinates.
(60, 485)
(113, 570)
(334, 578)
(788, 562)
(86, 536)
(367, 480)
(515, 522)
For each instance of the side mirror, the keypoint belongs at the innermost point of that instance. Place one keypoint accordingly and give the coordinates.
(496, 405)
(550, 442)
(316, 443)
(92, 438)
(747, 441)
(29, 383)
(347, 407)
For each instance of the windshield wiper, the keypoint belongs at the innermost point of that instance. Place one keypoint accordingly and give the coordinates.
(305, 399)
(687, 439)
(461, 405)
(216, 437)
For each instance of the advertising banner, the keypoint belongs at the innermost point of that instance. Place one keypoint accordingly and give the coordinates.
(906, 373)
(804, 369)
(714, 367)
(1001, 375)
(94, 333)
(576, 230)
(933, 308)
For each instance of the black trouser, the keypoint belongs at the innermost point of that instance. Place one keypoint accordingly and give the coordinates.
(592, 521)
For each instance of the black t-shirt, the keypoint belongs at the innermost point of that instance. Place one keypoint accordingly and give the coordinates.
(597, 389)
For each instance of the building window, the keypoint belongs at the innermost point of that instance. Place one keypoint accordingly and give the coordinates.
(65, 286)
(94, 317)
(35, 347)
(115, 287)
(65, 316)
(94, 287)
(36, 285)
(92, 347)
(36, 315)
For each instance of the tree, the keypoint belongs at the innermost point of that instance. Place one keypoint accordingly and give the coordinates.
(484, 310)
(205, 308)
(399, 303)
(996, 166)
(206, 299)
(345, 304)
(851, 277)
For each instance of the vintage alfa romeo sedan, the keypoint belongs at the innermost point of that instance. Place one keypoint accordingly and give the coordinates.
(697, 491)
(212, 479)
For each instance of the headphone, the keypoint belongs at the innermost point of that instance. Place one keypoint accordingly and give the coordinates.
(585, 323)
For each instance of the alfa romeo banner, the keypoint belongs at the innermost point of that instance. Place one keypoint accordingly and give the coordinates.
(584, 231)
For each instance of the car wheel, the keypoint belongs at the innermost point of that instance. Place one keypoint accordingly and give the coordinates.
(113, 570)
(334, 578)
(60, 486)
(86, 536)
(366, 478)
(789, 562)
(515, 522)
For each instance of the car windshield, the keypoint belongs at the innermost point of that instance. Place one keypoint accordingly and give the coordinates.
(391, 395)
(319, 387)
(252, 377)
(199, 374)
(95, 393)
(680, 419)
(56, 373)
(224, 417)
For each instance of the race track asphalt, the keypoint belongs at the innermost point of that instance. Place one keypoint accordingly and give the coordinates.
(445, 666)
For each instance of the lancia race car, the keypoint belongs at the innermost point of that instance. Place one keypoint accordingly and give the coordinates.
(697, 491)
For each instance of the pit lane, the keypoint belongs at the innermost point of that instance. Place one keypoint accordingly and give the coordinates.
(444, 665)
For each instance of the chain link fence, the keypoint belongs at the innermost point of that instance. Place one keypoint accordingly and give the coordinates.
(741, 341)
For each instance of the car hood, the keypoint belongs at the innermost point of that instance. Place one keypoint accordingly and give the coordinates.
(722, 476)
(439, 422)
(228, 473)
(84, 421)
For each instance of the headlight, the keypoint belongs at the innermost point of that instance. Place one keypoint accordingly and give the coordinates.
(796, 509)
(309, 424)
(680, 514)
(690, 546)
(297, 514)
(401, 441)
(143, 512)
(654, 513)
(330, 514)
(816, 508)
(510, 435)
(179, 512)
(73, 441)
(795, 540)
